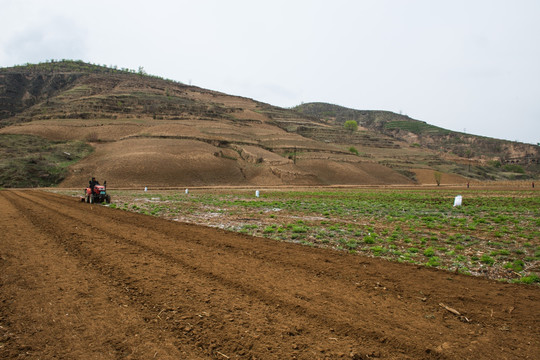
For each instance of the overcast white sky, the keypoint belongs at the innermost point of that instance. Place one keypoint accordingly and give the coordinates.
(470, 65)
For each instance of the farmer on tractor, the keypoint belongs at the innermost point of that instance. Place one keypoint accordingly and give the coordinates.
(93, 183)
(96, 193)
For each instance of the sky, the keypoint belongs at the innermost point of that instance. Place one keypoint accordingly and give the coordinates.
(465, 65)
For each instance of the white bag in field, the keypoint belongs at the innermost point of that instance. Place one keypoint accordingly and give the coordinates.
(187, 191)
(457, 200)
(257, 193)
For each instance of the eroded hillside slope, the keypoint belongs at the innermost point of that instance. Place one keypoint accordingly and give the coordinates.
(155, 132)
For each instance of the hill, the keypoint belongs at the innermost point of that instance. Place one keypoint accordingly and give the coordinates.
(484, 152)
(413, 131)
(148, 131)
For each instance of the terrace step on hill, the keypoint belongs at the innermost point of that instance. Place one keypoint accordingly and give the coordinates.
(148, 131)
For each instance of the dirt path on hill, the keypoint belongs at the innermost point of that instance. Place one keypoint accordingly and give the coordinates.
(81, 281)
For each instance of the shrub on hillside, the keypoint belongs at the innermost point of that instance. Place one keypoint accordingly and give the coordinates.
(514, 168)
(351, 125)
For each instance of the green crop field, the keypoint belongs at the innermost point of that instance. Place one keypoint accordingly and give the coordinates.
(495, 234)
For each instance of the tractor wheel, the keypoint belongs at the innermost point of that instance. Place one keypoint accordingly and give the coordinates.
(87, 199)
(108, 199)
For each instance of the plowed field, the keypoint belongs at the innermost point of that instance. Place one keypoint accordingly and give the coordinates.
(81, 281)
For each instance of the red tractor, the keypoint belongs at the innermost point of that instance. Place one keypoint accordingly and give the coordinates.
(96, 193)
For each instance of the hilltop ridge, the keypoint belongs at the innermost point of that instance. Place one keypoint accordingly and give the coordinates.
(146, 130)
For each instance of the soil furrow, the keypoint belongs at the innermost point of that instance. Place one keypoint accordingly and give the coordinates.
(56, 308)
(222, 287)
(240, 245)
(346, 311)
(209, 293)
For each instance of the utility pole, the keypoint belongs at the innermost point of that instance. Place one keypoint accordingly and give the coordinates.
(469, 155)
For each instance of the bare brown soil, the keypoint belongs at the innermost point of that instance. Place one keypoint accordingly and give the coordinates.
(188, 153)
(81, 281)
(427, 176)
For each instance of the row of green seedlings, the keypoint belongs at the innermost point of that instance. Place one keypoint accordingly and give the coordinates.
(457, 252)
(439, 219)
(495, 223)
(430, 216)
(153, 209)
(516, 227)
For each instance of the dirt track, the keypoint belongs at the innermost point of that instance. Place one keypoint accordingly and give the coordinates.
(80, 281)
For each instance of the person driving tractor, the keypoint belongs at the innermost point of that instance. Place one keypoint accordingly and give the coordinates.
(93, 183)
(96, 193)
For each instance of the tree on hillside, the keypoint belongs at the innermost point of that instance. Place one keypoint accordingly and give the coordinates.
(351, 125)
(438, 176)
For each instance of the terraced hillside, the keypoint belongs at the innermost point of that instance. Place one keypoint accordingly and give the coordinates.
(478, 149)
(156, 132)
